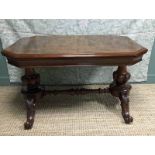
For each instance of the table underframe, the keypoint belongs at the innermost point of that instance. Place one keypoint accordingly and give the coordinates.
(32, 91)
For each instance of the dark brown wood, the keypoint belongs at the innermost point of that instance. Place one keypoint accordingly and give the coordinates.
(80, 50)
(120, 88)
(73, 46)
(72, 50)
(31, 89)
(79, 61)
(81, 91)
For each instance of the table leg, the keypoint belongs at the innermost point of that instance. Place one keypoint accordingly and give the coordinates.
(120, 88)
(30, 89)
(30, 106)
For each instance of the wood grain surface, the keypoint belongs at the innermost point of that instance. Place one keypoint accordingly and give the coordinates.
(74, 45)
(74, 50)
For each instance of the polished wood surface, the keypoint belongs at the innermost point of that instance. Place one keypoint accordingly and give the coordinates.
(50, 51)
(33, 91)
(73, 46)
(120, 88)
(41, 51)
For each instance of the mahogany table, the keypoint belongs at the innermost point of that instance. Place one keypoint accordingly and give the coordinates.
(79, 50)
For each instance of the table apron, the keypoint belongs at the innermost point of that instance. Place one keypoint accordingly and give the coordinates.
(75, 61)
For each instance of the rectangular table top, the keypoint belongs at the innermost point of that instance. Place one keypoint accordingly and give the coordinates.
(59, 47)
(75, 45)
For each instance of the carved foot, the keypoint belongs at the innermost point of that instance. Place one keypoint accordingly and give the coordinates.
(120, 88)
(125, 106)
(28, 125)
(127, 118)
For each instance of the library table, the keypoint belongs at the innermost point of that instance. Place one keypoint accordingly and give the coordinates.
(74, 50)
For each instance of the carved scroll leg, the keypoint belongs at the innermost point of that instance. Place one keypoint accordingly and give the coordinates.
(30, 106)
(31, 90)
(120, 88)
(125, 107)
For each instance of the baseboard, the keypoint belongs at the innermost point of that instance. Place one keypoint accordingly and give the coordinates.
(4, 81)
(151, 78)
